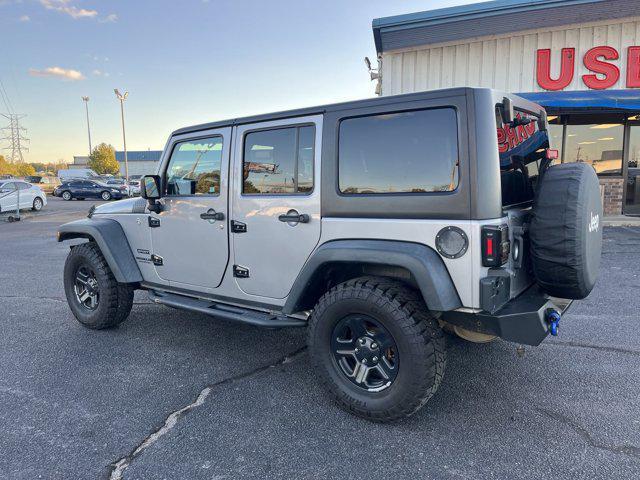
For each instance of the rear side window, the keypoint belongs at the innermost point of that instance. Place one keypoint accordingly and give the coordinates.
(279, 161)
(408, 152)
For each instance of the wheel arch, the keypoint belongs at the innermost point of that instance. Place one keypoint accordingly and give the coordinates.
(337, 261)
(116, 249)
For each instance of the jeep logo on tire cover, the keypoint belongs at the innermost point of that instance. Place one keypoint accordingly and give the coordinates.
(594, 223)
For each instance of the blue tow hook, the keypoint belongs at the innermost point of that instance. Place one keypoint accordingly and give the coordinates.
(553, 318)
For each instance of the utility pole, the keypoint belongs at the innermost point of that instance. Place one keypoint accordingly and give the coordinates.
(122, 98)
(14, 136)
(86, 105)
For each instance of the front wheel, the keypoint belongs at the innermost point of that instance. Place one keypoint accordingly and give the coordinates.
(106, 196)
(37, 204)
(66, 196)
(376, 348)
(96, 299)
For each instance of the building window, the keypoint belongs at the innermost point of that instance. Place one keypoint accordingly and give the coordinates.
(279, 161)
(409, 152)
(556, 130)
(599, 145)
(194, 167)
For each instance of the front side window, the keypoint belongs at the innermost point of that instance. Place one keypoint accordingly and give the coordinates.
(279, 161)
(407, 152)
(194, 167)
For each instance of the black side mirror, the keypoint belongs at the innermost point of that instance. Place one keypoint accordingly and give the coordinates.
(151, 189)
(507, 112)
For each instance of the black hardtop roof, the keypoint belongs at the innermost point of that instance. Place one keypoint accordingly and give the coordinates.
(354, 104)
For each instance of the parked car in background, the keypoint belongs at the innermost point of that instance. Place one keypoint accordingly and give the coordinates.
(134, 187)
(81, 189)
(47, 184)
(72, 173)
(31, 196)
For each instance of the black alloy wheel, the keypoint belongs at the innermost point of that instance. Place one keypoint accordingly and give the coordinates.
(365, 352)
(86, 288)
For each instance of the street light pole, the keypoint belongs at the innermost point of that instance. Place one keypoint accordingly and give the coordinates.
(122, 98)
(86, 105)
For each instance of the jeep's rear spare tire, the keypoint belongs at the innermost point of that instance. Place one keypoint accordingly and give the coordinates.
(566, 231)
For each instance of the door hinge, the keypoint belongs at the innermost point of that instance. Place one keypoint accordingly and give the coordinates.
(238, 227)
(240, 272)
(157, 260)
(154, 222)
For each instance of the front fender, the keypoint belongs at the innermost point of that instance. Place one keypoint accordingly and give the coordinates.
(424, 264)
(111, 239)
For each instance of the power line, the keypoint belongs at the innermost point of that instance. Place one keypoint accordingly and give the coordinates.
(5, 98)
(14, 135)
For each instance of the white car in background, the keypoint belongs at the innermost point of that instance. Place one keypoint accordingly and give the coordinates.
(31, 196)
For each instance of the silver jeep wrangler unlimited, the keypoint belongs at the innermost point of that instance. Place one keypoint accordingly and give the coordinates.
(377, 224)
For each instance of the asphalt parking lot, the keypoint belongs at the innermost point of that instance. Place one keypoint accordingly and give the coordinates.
(172, 394)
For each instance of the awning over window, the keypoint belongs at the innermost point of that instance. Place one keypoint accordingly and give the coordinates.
(622, 100)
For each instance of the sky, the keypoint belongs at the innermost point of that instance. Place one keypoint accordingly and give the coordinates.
(183, 63)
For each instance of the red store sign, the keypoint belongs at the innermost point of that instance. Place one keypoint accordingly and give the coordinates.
(599, 60)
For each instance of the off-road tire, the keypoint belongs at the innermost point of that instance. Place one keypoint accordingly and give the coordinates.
(419, 338)
(115, 299)
(67, 196)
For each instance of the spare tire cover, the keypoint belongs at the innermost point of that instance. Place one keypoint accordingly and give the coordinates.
(566, 231)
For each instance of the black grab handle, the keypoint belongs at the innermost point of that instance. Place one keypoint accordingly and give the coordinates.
(295, 218)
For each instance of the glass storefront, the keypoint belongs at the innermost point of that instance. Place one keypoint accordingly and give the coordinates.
(632, 197)
(599, 140)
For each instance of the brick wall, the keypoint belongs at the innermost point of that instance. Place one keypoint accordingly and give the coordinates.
(611, 192)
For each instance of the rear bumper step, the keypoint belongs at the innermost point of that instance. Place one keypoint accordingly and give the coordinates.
(226, 312)
(523, 320)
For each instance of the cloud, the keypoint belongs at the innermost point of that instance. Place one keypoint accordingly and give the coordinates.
(25, 18)
(111, 18)
(66, 7)
(57, 72)
(100, 73)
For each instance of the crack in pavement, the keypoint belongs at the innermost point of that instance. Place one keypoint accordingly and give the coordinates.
(627, 450)
(118, 467)
(593, 346)
(31, 297)
(54, 299)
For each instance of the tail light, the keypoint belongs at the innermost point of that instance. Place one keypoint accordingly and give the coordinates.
(495, 245)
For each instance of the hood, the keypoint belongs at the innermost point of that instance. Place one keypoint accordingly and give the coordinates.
(128, 205)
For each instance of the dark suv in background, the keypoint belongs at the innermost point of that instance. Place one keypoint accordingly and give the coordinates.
(82, 189)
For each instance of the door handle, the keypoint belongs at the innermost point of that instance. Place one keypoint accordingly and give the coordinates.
(294, 217)
(211, 214)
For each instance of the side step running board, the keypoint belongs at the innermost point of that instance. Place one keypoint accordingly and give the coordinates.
(227, 312)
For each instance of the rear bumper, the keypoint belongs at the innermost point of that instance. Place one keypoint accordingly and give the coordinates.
(522, 320)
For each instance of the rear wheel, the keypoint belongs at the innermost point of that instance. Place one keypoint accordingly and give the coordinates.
(37, 204)
(66, 196)
(376, 348)
(96, 299)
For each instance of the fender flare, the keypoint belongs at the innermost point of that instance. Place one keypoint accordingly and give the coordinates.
(111, 240)
(424, 263)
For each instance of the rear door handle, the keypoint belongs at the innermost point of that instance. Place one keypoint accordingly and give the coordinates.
(211, 214)
(294, 217)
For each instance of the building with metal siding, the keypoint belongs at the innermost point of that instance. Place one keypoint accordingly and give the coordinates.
(143, 162)
(578, 58)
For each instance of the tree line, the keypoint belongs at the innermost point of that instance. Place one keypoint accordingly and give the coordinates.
(102, 161)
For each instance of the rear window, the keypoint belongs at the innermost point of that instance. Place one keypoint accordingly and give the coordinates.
(521, 149)
(522, 144)
(407, 152)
